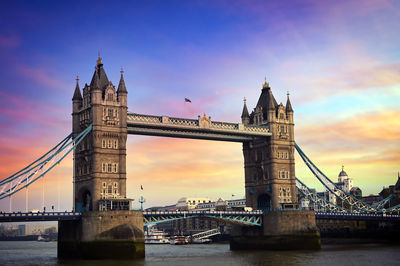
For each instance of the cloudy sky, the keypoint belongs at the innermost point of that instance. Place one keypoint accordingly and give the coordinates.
(338, 59)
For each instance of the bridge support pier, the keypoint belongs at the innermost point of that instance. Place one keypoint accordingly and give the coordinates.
(102, 235)
(282, 230)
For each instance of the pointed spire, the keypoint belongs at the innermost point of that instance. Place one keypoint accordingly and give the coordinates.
(99, 79)
(271, 100)
(288, 104)
(95, 83)
(77, 93)
(245, 112)
(121, 86)
(99, 60)
(266, 84)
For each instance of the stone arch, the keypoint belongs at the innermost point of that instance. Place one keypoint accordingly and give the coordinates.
(84, 202)
(264, 202)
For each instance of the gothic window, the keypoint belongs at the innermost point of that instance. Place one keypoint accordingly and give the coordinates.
(281, 116)
(115, 144)
(115, 184)
(110, 112)
(103, 143)
(110, 97)
(104, 111)
(109, 169)
(104, 184)
(109, 144)
(103, 167)
(114, 170)
(109, 189)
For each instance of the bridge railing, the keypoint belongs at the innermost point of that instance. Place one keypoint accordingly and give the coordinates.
(257, 212)
(184, 123)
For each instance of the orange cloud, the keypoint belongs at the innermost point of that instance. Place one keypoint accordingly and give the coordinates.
(172, 168)
(367, 144)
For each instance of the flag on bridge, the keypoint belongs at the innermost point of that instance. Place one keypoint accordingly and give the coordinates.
(187, 100)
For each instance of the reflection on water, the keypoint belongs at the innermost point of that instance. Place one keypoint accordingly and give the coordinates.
(45, 253)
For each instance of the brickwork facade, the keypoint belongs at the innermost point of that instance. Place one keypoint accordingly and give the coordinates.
(100, 159)
(269, 164)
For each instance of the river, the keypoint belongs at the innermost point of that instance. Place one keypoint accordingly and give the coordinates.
(45, 253)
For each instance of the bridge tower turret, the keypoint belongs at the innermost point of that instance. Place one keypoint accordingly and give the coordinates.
(100, 160)
(269, 162)
(245, 113)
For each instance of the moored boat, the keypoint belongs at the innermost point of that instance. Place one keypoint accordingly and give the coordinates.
(201, 241)
(178, 240)
(156, 237)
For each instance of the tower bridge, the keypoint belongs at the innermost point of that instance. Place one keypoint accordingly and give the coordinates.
(102, 217)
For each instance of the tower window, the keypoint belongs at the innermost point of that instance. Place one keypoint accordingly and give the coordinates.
(109, 169)
(110, 97)
(103, 143)
(114, 167)
(115, 144)
(103, 167)
(104, 184)
(109, 144)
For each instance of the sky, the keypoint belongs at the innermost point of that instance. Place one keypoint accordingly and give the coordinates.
(340, 61)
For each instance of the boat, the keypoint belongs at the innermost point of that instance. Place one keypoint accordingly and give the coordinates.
(156, 237)
(178, 240)
(43, 238)
(201, 241)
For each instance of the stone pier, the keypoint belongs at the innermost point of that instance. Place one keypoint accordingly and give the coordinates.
(102, 235)
(282, 230)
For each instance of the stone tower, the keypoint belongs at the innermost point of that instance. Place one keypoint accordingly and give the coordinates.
(270, 180)
(100, 159)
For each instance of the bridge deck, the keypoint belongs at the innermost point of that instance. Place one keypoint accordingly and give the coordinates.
(173, 215)
(39, 216)
(203, 128)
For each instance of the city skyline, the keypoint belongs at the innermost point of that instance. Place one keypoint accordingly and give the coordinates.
(339, 61)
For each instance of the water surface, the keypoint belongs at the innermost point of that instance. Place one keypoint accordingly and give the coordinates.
(45, 253)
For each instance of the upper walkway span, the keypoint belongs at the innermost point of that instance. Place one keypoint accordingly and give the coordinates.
(202, 128)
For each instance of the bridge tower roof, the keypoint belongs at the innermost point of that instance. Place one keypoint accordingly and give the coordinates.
(288, 105)
(245, 112)
(267, 100)
(99, 79)
(77, 93)
(121, 86)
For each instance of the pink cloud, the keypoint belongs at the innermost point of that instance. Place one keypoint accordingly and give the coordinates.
(41, 76)
(21, 109)
(9, 41)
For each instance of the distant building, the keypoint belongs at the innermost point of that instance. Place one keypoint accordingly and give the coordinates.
(185, 204)
(344, 183)
(356, 192)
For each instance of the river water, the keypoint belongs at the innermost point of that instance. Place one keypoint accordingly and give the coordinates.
(45, 253)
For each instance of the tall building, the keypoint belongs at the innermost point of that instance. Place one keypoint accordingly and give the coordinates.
(269, 162)
(344, 183)
(100, 159)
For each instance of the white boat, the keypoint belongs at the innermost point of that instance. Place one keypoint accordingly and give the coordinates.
(156, 237)
(201, 241)
(178, 240)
